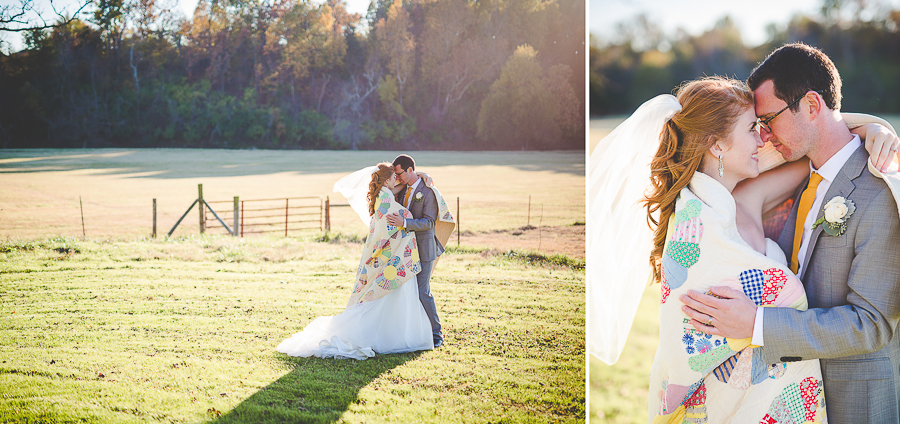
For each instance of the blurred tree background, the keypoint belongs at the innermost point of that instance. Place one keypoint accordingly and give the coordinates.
(300, 74)
(862, 37)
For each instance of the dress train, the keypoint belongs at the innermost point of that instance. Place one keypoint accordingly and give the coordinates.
(392, 324)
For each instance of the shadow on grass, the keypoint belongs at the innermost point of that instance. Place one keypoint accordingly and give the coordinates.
(197, 163)
(315, 391)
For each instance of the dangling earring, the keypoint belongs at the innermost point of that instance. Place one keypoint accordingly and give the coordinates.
(721, 167)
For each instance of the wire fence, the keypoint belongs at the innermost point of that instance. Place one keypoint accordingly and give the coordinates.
(288, 216)
(477, 216)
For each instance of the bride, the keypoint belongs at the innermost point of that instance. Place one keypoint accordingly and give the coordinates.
(383, 314)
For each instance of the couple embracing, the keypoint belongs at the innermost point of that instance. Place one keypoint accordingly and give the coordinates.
(391, 309)
(754, 330)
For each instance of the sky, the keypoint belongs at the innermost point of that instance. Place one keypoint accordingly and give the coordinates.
(697, 16)
(186, 7)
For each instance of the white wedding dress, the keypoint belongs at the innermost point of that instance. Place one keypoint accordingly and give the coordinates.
(392, 324)
(773, 251)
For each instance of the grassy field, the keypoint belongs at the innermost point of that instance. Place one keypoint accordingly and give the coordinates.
(41, 188)
(184, 331)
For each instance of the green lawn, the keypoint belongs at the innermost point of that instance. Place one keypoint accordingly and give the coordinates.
(619, 393)
(184, 331)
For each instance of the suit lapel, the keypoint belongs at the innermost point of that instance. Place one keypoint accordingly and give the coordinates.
(841, 186)
(412, 197)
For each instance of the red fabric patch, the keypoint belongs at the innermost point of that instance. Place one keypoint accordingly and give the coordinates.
(809, 391)
(698, 398)
(775, 281)
(666, 290)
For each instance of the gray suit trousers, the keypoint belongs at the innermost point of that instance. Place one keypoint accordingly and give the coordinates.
(424, 280)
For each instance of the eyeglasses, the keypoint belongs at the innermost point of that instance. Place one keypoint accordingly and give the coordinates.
(398, 174)
(764, 123)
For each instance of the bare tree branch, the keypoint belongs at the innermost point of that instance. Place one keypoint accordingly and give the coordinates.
(11, 16)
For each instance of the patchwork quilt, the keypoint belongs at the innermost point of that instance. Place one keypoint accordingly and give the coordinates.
(699, 378)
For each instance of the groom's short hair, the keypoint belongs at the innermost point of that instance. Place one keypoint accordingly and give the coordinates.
(405, 162)
(796, 69)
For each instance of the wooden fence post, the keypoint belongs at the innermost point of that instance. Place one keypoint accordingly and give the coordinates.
(234, 227)
(327, 214)
(81, 205)
(528, 222)
(182, 217)
(154, 218)
(202, 210)
(285, 216)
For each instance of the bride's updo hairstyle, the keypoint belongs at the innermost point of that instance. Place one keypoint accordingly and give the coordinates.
(379, 177)
(710, 108)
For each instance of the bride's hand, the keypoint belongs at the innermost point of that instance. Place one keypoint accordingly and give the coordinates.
(427, 178)
(881, 143)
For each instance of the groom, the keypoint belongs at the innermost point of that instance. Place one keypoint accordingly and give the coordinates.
(422, 203)
(852, 280)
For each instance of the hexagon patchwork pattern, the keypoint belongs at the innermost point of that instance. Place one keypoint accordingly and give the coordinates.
(683, 246)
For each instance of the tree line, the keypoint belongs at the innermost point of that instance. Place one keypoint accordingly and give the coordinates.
(301, 74)
(862, 40)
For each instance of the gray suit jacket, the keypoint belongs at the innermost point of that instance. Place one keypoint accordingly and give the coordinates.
(425, 213)
(853, 286)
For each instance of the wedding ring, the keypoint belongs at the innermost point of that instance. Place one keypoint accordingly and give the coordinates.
(709, 323)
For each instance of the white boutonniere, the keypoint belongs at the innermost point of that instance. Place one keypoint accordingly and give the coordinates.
(418, 196)
(837, 211)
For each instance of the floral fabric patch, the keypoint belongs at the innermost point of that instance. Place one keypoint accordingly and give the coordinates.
(682, 249)
(798, 403)
(763, 286)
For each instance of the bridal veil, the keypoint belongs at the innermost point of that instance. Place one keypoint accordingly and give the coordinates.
(619, 239)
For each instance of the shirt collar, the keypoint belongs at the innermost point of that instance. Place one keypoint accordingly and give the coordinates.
(416, 184)
(832, 166)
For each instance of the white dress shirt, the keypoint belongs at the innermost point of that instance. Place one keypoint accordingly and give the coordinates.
(412, 189)
(828, 172)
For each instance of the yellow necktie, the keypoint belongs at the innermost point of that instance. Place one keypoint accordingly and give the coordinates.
(406, 199)
(806, 202)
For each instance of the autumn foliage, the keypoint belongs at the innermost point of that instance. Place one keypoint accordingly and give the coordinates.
(302, 74)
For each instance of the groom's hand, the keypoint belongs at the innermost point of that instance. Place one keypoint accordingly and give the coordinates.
(732, 312)
(396, 220)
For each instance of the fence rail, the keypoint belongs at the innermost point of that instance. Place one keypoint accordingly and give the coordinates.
(256, 216)
(106, 217)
